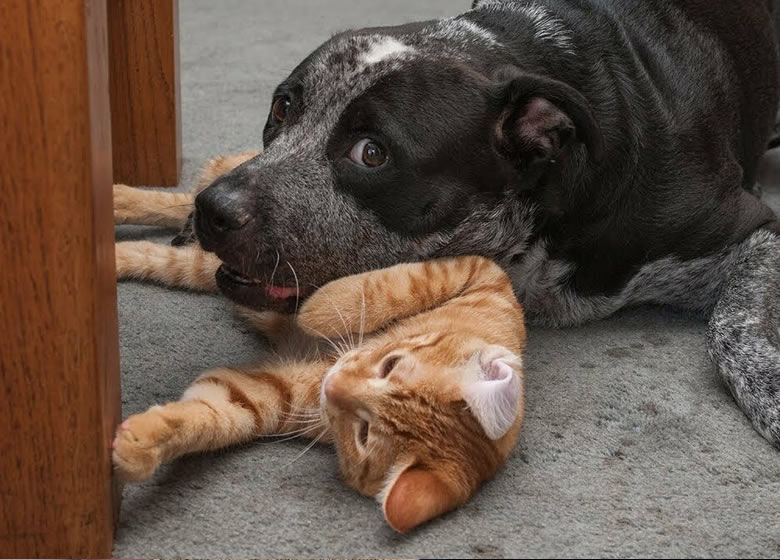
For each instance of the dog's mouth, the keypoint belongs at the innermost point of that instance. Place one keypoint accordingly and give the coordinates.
(259, 294)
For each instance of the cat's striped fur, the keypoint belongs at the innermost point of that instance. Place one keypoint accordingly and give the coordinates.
(412, 372)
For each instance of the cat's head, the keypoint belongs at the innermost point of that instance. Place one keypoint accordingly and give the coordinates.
(419, 430)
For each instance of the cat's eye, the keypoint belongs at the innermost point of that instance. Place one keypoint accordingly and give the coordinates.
(362, 434)
(388, 366)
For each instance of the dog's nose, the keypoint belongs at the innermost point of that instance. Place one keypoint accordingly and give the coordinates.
(220, 210)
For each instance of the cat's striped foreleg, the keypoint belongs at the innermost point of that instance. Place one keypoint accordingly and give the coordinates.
(187, 267)
(221, 408)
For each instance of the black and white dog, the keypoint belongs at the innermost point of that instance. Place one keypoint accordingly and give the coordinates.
(604, 151)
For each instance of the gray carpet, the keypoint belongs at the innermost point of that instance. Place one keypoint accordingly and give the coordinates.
(631, 445)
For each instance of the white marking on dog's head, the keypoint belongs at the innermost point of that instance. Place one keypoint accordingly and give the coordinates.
(383, 49)
(547, 27)
(460, 29)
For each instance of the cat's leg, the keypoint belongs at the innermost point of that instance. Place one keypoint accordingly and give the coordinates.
(151, 208)
(221, 408)
(187, 267)
(220, 165)
(368, 302)
(169, 209)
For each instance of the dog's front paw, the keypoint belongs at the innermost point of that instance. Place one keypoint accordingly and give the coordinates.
(138, 445)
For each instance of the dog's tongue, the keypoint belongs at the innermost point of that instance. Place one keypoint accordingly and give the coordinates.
(280, 292)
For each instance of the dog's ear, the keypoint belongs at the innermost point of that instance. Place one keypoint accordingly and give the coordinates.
(540, 117)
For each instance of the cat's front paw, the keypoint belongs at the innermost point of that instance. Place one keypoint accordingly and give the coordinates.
(138, 445)
(126, 203)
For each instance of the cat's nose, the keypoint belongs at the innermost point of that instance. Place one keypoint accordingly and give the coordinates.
(338, 393)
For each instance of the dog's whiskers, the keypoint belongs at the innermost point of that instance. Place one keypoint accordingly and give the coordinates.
(276, 266)
(297, 288)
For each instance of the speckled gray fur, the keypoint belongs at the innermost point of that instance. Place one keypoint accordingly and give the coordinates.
(744, 334)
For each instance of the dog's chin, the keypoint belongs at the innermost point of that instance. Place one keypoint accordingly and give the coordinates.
(258, 295)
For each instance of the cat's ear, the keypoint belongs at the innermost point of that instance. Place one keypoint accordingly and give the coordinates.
(417, 495)
(496, 396)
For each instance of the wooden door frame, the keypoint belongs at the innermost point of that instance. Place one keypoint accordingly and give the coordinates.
(59, 358)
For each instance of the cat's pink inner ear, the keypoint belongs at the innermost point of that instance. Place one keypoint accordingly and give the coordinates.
(498, 370)
(415, 496)
(495, 398)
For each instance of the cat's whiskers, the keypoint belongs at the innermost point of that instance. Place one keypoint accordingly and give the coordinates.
(312, 409)
(340, 351)
(295, 434)
(368, 453)
(362, 314)
(350, 341)
(308, 447)
(301, 420)
(177, 206)
(304, 416)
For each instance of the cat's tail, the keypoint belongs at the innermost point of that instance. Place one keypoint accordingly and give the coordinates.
(367, 302)
(151, 208)
(187, 267)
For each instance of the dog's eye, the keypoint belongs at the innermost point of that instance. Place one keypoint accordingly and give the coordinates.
(368, 153)
(281, 108)
(388, 366)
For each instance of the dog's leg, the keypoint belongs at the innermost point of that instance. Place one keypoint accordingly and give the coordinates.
(178, 267)
(744, 334)
(151, 208)
(692, 285)
(738, 287)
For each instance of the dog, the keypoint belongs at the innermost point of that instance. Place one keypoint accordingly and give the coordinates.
(604, 152)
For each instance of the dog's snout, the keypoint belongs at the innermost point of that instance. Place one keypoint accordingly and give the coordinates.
(221, 210)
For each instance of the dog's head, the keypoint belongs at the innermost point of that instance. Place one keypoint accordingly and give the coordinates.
(388, 145)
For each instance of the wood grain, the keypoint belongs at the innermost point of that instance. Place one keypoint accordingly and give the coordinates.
(59, 376)
(145, 106)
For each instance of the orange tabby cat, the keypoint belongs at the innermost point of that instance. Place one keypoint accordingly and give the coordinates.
(413, 373)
